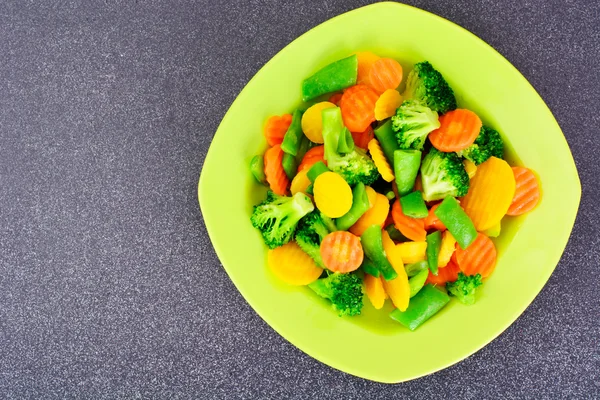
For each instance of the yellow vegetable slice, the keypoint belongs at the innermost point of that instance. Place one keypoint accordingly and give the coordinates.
(300, 182)
(372, 195)
(292, 265)
(366, 59)
(412, 252)
(333, 195)
(398, 288)
(376, 215)
(494, 231)
(470, 168)
(374, 291)
(312, 122)
(380, 161)
(387, 104)
(490, 193)
(447, 249)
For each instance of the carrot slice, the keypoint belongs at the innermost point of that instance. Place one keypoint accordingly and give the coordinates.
(385, 74)
(341, 251)
(312, 157)
(431, 221)
(478, 258)
(490, 193)
(447, 274)
(458, 130)
(387, 104)
(376, 215)
(276, 177)
(374, 291)
(380, 161)
(362, 139)
(292, 265)
(412, 228)
(335, 99)
(366, 59)
(276, 127)
(358, 107)
(527, 191)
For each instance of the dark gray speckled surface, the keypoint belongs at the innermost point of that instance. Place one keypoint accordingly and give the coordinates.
(109, 287)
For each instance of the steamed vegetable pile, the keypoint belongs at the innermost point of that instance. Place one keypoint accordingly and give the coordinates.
(391, 195)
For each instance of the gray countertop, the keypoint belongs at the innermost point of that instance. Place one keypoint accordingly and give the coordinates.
(109, 286)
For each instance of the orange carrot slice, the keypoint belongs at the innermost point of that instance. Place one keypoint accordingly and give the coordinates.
(412, 228)
(362, 139)
(292, 265)
(447, 274)
(385, 74)
(376, 215)
(276, 127)
(312, 157)
(490, 193)
(341, 251)
(478, 258)
(527, 191)
(431, 221)
(358, 107)
(335, 99)
(366, 59)
(458, 130)
(276, 177)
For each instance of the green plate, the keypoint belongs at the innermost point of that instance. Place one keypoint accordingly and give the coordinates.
(373, 346)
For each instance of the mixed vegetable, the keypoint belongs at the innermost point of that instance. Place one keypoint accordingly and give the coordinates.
(390, 195)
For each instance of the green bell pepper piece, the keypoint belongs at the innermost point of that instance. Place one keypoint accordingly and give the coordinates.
(417, 282)
(425, 304)
(293, 136)
(457, 221)
(317, 169)
(333, 77)
(387, 140)
(406, 169)
(373, 248)
(415, 268)
(289, 165)
(257, 167)
(369, 267)
(413, 205)
(360, 205)
(434, 243)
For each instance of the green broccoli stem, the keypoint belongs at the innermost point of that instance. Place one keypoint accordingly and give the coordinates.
(293, 136)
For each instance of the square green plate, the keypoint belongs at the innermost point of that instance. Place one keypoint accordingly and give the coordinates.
(372, 346)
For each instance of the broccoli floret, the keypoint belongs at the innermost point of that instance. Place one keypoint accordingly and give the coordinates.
(424, 83)
(412, 123)
(355, 165)
(277, 217)
(464, 287)
(443, 175)
(488, 144)
(343, 290)
(311, 231)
